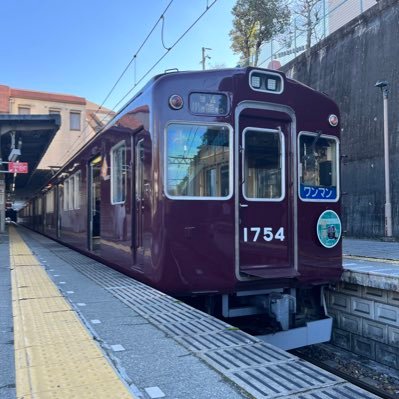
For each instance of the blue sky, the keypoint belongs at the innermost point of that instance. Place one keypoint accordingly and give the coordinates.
(82, 47)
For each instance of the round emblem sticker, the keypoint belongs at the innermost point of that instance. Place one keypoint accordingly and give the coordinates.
(329, 229)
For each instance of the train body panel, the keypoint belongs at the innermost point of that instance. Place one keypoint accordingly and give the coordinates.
(207, 183)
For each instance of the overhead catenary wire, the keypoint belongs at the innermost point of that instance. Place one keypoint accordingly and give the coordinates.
(133, 59)
(164, 55)
(168, 49)
(161, 18)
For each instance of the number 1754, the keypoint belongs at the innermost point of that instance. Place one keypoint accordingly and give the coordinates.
(257, 233)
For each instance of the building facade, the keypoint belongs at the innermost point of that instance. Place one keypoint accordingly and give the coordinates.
(80, 119)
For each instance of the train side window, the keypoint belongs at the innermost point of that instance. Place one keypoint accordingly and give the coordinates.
(66, 196)
(118, 173)
(318, 167)
(39, 206)
(50, 201)
(76, 193)
(263, 165)
(198, 161)
(71, 190)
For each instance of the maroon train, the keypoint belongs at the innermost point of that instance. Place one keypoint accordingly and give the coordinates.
(220, 184)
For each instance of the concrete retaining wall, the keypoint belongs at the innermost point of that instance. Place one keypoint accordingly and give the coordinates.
(346, 66)
(366, 321)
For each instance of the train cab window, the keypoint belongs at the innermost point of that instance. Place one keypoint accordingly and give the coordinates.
(263, 164)
(199, 161)
(318, 167)
(118, 173)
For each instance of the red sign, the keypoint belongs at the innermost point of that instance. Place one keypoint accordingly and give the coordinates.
(18, 167)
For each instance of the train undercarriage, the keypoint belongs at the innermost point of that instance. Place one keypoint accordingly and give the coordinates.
(288, 318)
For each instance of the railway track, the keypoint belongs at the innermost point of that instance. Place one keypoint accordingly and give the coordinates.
(339, 362)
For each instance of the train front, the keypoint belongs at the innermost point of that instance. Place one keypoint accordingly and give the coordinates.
(251, 195)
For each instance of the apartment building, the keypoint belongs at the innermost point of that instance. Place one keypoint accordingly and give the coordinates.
(80, 119)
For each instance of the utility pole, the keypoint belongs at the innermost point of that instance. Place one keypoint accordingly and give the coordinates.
(383, 85)
(204, 57)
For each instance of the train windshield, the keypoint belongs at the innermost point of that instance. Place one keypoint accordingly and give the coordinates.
(318, 167)
(198, 161)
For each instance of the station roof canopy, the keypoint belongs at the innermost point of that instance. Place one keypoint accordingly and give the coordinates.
(32, 134)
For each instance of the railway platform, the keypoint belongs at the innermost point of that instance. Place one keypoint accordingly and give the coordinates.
(74, 328)
(371, 263)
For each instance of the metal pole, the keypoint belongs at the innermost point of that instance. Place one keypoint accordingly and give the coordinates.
(271, 50)
(388, 207)
(204, 56)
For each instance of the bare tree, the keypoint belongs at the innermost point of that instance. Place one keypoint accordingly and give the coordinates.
(308, 14)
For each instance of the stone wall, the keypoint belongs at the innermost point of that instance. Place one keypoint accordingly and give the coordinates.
(346, 66)
(366, 321)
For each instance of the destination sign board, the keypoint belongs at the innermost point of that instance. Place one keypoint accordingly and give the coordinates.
(18, 167)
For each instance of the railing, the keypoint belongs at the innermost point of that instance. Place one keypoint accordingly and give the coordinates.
(308, 26)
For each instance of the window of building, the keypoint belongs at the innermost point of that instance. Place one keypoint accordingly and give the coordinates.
(74, 120)
(118, 173)
(318, 167)
(54, 111)
(198, 161)
(23, 110)
(263, 165)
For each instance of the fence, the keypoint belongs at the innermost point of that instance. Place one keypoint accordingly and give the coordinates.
(312, 21)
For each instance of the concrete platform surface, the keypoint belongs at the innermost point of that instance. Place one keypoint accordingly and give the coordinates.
(371, 263)
(160, 347)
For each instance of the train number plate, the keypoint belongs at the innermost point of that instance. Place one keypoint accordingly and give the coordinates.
(254, 234)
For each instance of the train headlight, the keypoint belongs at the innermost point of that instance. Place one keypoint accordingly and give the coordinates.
(333, 120)
(175, 101)
(255, 82)
(266, 81)
(272, 84)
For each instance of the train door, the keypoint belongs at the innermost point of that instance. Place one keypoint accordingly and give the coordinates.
(265, 204)
(94, 195)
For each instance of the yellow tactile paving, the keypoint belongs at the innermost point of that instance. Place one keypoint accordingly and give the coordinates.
(47, 355)
(44, 305)
(25, 292)
(27, 260)
(65, 376)
(103, 391)
(55, 357)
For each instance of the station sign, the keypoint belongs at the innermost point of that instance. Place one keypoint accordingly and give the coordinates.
(18, 167)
